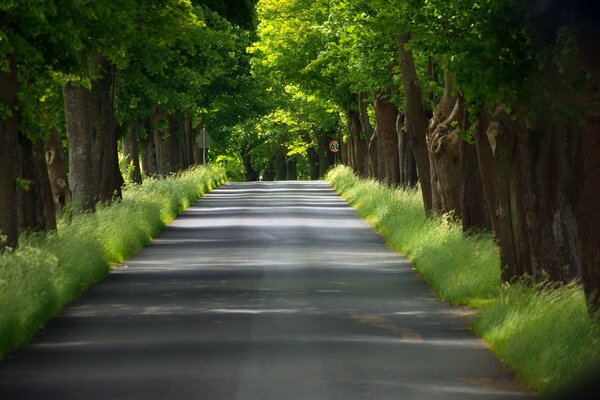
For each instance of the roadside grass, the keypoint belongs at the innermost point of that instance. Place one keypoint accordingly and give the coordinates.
(48, 271)
(543, 334)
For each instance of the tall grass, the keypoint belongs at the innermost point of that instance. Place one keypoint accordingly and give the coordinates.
(544, 334)
(48, 271)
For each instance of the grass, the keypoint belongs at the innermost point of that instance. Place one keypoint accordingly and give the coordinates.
(48, 271)
(543, 334)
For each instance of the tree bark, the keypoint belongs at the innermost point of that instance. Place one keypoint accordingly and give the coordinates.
(370, 137)
(292, 169)
(44, 181)
(512, 239)
(588, 216)
(89, 114)
(188, 132)
(131, 154)
(475, 214)
(359, 146)
(57, 170)
(175, 133)
(485, 163)
(149, 165)
(386, 115)
(445, 158)
(324, 163)
(8, 155)
(408, 166)
(161, 144)
(313, 159)
(280, 166)
(249, 172)
(416, 120)
(31, 210)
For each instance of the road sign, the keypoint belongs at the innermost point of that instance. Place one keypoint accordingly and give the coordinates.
(333, 146)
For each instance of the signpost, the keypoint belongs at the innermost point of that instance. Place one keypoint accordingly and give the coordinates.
(333, 147)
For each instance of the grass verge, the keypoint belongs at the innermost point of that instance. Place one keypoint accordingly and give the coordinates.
(48, 271)
(543, 334)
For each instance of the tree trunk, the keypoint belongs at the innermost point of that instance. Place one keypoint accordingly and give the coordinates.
(545, 158)
(386, 115)
(249, 172)
(324, 155)
(475, 214)
(280, 166)
(313, 159)
(588, 215)
(188, 132)
(511, 237)
(44, 182)
(416, 120)
(30, 209)
(537, 232)
(445, 158)
(149, 164)
(57, 170)
(370, 137)
(292, 170)
(89, 114)
(162, 145)
(8, 154)
(175, 133)
(131, 154)
(359, 146)
(408, 166)
(485, 163)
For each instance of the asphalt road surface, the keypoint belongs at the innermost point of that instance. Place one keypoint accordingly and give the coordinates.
(260, 291)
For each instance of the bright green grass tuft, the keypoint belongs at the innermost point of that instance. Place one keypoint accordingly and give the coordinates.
(544, 335)
(48, 271)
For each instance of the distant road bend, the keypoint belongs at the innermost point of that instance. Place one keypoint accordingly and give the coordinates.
(260, 291)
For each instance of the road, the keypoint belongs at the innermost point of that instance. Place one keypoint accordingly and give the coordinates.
(260, 291)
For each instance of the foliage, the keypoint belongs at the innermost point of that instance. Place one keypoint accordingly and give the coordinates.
(50, 270)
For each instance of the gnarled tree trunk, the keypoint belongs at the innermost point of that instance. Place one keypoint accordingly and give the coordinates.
(445, 158)
(8, 156)
(416, 120)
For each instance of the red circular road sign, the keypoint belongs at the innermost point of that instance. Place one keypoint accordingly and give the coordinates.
(333, 146)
